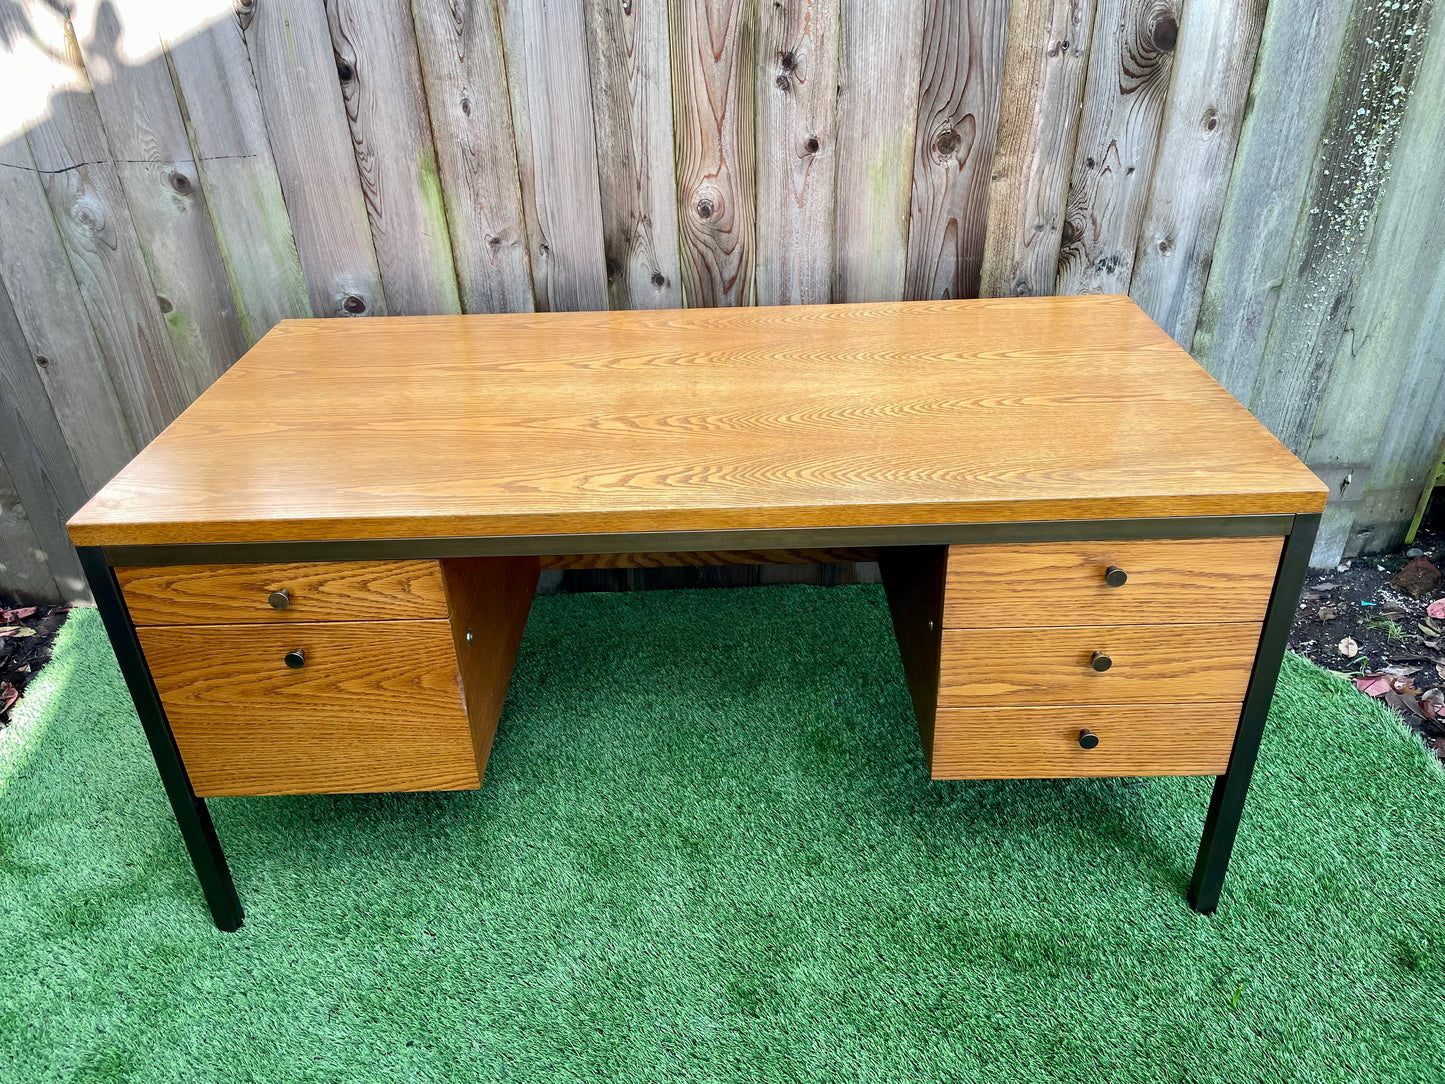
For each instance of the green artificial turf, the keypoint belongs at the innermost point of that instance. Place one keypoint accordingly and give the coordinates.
(707, 850)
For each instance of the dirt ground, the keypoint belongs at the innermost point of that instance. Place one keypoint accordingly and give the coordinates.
(1354, 622)
(26, 636)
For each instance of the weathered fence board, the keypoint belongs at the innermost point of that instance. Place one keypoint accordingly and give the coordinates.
(33, 450)
(1411, 445)
(296, 74)
(119, 44)
(546, 50)
(1129, 68)
(61, 343)
(25, 574)
(1278, 143)
(212, 75)
(465, 75)
(1212, 68)
(797, 136)
(380, 75)
(90, 211)
(712, 81)
(1395, 327)
(1381, 56)
(628, 57)
(877, 114)
(1045, 62)
(963, 52)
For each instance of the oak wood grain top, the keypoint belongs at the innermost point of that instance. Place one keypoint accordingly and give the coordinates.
(993, 410)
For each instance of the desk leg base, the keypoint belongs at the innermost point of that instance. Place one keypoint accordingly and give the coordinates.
(1221, 823)
(192, 816)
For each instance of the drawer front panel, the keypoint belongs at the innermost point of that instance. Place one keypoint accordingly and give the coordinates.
(1151, 664)
(1169, 582)
(326, 591)
(374, 707)
(1043, 743)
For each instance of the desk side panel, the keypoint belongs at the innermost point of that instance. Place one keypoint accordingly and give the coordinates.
(489, 599)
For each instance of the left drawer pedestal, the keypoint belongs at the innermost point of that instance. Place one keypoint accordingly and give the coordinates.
(293, 699)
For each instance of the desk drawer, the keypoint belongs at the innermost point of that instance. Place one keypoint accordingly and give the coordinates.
(1150, 664)
(241, 594)
(374, 706)
(1043, 743)
(1167, 582)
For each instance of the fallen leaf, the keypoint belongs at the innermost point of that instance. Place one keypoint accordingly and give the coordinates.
(8, 695)
(17, 614)
(1402, 704)
(1328, 613)
(1436, 609)
(1440, 669)
(1348, 648)
(1325, 586)
(1432, 703)
(19, 632)
(1400, 671)
(1374, 684)
(1416, 578)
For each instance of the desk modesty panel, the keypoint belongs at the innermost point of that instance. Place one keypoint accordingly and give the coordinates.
(316, 579)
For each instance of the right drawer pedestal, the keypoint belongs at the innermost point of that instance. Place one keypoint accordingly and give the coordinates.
(1059, 659)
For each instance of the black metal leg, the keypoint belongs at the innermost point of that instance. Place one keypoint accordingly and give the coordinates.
(191, 813)
(1227, 804)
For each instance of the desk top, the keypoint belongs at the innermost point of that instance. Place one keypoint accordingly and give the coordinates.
(1050, 408)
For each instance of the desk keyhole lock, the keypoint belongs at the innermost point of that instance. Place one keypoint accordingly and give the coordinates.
(1088, 739)
(1115, 576)
(279, 600)
(296, 659)
(1101, 661)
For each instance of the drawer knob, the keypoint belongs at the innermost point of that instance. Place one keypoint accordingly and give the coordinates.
(279, 600)
(296, 659)
(1101, 661)
(1088, 739)
(1115, 576)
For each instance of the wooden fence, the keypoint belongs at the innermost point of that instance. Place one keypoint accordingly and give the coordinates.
(178, 175)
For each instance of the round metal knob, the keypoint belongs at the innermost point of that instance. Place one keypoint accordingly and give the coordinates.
(279, 600)
(1088, 739)
(296, 659)
(1101, 662)
(1115, 576)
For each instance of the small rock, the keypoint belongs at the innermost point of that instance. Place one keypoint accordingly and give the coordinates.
(1328, 613)
(1416, 578)
(1414, 551)
(1343, 567)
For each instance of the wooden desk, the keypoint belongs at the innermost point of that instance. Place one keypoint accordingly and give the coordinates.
(357, 512)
